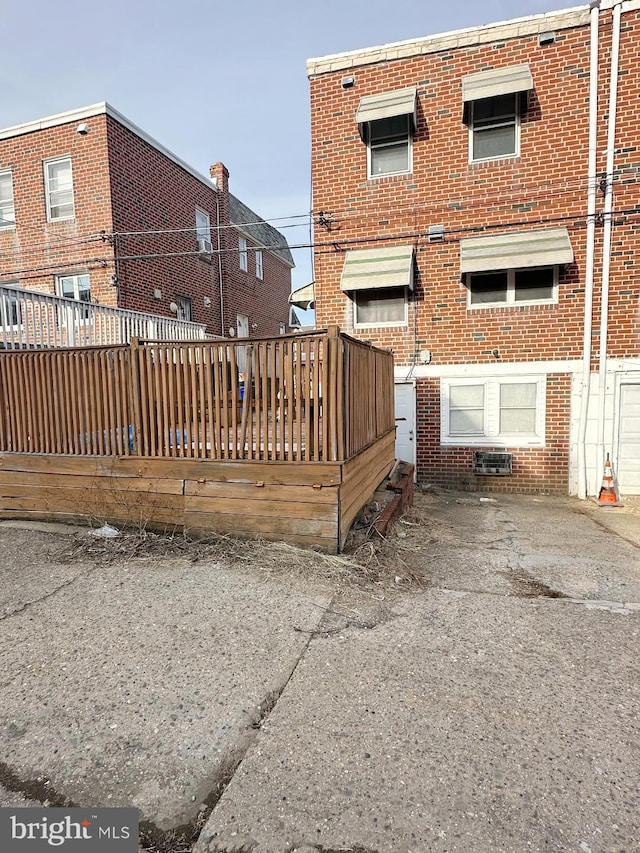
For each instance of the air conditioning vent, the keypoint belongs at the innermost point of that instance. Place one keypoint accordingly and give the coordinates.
(492, 464)
(204, 245)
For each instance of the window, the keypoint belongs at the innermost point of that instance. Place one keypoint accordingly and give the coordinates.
(7, 209)
(386, 123)
(184, 311)
(10, 316)
(512, 287)
(75, 287)
(504, 412)
(203, 231)
(380, 307)
(243, 258)
(389, 150)
(494, 127)
(259, 273)
(59, 189)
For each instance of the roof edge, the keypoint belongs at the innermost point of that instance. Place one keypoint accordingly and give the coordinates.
(485, 33)
(241, 228)
(103, 108)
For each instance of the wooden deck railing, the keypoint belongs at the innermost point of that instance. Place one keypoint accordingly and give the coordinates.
(315, 397)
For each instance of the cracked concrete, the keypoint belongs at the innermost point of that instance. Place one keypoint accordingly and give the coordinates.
(496, 709)
(138, 684)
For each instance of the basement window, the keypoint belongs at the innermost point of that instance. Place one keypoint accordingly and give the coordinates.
(498, 411)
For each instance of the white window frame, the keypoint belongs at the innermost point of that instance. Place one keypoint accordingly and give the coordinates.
(82, 321)
(510, 301)
(259, 264)
(203, 230)
(243, 255)
(384, 325)
(490, 435)
(185, 307)
(7, 300)
(370, 146)
(8, 206)
(498, 123)
(48, 192)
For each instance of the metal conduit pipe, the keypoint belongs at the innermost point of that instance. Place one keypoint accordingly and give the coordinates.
(592, 187)
(608, 227)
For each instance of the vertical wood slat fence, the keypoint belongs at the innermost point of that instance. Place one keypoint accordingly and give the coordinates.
(320, 397)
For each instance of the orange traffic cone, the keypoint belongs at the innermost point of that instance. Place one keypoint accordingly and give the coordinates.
(609, 495)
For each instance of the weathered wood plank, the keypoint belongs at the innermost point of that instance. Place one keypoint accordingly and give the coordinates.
(75, 481)
(260, 526)
(255, 491)
(295, 473)
(275, 509)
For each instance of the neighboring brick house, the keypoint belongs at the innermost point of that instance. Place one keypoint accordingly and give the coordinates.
(466, 194)
(93, 208)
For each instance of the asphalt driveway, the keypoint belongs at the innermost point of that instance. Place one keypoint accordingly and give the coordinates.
(478, 690)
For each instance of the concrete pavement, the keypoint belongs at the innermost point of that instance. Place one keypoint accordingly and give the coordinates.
(497, 709)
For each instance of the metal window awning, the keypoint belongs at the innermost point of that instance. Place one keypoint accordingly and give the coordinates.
(303, 297)
(498, 81)
(401, 102)
(541, 248)
(384, 266)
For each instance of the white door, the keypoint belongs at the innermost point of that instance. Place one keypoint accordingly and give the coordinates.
(406, 422)
(628, 472)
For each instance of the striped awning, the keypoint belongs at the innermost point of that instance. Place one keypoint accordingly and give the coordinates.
(303, 297)
(498, 81)
(542, 248)
(401, 102)
(384, 266)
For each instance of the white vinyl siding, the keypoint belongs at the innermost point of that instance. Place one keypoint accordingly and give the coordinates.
(7, 208)
(498, 412)
(58, 177)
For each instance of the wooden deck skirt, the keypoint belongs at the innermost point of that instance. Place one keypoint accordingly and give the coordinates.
(311, 504)
(278, 438)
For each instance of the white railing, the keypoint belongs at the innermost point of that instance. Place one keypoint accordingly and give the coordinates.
(30, 319)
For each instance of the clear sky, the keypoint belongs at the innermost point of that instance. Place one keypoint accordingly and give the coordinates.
(213, 81)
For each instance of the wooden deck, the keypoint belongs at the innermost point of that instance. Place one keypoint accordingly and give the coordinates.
(176, 436)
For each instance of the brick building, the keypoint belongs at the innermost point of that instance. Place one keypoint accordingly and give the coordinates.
(476, 210)
(93, 208)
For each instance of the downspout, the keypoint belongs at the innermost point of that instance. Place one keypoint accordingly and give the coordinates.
(608, 226)
(220, 282)
(592, 186)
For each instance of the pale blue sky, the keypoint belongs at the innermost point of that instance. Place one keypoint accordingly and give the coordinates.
(209, 80)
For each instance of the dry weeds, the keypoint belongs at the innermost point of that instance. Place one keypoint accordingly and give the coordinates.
(370, 562)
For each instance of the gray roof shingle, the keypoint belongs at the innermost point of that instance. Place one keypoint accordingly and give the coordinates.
(259, 230)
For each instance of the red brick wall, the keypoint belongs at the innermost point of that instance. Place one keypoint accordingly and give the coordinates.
(543, 470)
(36, 250)
(265, 301)
(545, 186)
(122, 184)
